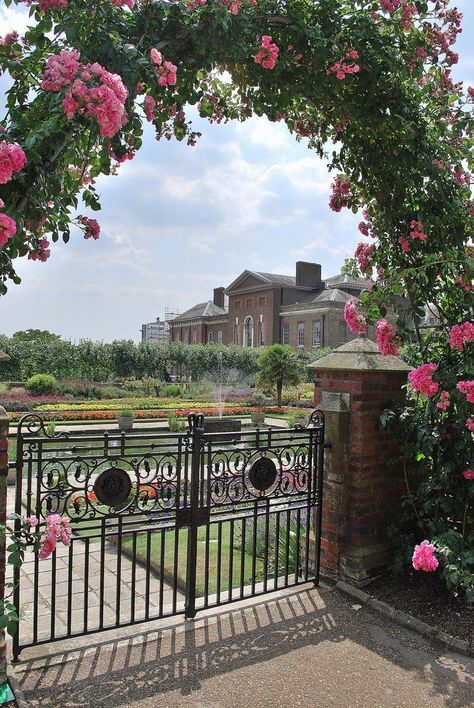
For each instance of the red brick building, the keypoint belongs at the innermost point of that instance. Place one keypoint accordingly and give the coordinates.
(265, 308)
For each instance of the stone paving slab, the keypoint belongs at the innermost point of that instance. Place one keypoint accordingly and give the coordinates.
(311, 648)
(79, 588)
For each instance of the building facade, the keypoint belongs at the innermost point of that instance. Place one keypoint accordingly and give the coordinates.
(156, 332)
(265, 308)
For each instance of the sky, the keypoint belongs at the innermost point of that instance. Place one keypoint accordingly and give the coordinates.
(178, 221)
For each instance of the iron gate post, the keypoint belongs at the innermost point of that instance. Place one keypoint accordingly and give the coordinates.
(196, 424)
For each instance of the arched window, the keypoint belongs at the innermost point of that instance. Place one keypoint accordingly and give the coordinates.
(248, 332)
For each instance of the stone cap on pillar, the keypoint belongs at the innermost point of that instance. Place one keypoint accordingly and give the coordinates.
(360, 354)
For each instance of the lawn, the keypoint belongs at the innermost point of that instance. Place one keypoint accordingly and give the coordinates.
(169, 554)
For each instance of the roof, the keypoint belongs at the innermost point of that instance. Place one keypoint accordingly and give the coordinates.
(331, 295)
(202, 309)
(276, 279)
(344, 279)
(4, 357)
(264, 279)
(359, 354)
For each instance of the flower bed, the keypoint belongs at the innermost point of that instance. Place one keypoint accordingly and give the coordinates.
(114, 404)
(154, 414)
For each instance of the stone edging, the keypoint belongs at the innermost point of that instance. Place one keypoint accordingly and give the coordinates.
(406, 620)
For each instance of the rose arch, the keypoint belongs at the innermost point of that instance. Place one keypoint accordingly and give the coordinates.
(367, 82)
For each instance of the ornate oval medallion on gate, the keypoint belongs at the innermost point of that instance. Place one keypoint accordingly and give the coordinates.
(263, 473)
(112, 486)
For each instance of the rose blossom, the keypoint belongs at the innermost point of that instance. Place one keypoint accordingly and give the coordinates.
(387, 339)
(468, 474)
(423, 557)
(355, 320)
(421, 379)
(460, 335)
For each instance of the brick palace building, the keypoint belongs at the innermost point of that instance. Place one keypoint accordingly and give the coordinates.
(264, 308)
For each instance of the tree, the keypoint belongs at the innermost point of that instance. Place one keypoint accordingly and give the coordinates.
(279, 366)
(36, 335)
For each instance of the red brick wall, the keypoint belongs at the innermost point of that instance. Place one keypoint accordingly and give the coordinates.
(254, 304)
(363, 486)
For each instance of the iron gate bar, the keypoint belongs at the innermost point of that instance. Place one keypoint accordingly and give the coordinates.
(197, 480)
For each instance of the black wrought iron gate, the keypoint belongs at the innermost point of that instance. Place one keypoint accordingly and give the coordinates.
(164, 523)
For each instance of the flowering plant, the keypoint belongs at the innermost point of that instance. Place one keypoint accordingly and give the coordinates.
(18, 539)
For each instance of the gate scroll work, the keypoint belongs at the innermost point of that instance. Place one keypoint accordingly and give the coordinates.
(164, 523)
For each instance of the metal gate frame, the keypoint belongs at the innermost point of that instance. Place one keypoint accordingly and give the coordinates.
(214, 482)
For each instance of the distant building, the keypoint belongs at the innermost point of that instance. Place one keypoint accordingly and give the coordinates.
(265, 308)
(156, 332)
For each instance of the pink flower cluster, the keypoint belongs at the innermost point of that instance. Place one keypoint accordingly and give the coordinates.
(387, 340)
(46, 5)
(470, 424)
(90, 90)
(340, 194)
(166, 70)
(119, 3)
(12, 159)
(363, 253)
(343, 67)
(355, 320)
(468, 474)
(444, 401)
(7, 228)
(421, 379)
(467, 388)
(92, 228)
(57, 529)
(149, 105)
(268, 53)
(390, 5)
(416, 230)
(460, 335)
(42, 253)
(423, 557)
(464, 282)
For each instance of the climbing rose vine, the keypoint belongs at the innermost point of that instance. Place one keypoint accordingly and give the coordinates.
(367, 84)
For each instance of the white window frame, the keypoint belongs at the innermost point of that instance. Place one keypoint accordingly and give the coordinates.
(299, 332)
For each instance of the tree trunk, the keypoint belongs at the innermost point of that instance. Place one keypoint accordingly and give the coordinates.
(279, 390)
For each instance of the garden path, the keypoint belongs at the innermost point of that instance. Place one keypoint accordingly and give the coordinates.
(308, 647)
(78, 585)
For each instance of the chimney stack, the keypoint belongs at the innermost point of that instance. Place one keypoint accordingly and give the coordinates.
(308, 275)
(219, 297)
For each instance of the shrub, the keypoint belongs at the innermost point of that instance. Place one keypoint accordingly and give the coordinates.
(258, 399)
(172, 391)
(80, 388)
(111, 392)
(297, 418)
(41, 383)
(126, 413)
(175, 424)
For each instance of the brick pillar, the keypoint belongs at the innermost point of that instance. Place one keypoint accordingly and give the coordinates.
(4, 423)
(363, 486)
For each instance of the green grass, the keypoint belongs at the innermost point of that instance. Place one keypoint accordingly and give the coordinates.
(170, 546)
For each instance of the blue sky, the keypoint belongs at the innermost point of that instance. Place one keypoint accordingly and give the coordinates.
(178, 221)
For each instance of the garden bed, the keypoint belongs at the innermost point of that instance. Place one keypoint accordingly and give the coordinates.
(426, 598)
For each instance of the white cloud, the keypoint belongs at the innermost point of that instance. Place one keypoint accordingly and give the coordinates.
(14, 19)
(201, 247)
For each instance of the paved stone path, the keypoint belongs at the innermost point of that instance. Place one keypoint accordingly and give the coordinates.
(85, 582)
(311, 648)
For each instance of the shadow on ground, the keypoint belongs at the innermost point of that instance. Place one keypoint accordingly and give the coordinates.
(311, 648)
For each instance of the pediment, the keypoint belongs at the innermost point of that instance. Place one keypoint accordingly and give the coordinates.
(247, 281)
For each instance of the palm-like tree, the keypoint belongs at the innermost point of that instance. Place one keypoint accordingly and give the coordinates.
(279, 366)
